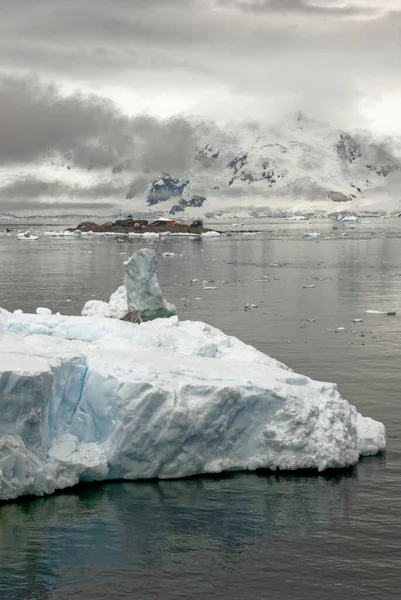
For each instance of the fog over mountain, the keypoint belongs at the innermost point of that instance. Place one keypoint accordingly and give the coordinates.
(98, 101)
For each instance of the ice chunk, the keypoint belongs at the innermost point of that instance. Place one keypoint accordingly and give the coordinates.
(94, 398)
(210, 234)
(115, 308)
(388, 313)
(43, 311)
(27, 235)
(140, 293)
(311, 235)
(143, 291)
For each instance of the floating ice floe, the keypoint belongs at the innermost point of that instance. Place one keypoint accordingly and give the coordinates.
(210, 234)
(27, 235)
(345, 217)
(64, 233)
(389, 313)
(311, 235)
(93, 398)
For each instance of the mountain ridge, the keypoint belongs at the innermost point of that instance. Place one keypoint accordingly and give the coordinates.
(299, 164)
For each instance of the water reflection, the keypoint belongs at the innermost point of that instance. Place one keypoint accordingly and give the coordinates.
(148, 528)
(248, 535)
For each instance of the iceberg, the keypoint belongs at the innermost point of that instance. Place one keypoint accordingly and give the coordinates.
(140, 295)
(90, 398)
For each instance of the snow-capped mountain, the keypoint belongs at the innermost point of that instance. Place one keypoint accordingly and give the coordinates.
(298, 165)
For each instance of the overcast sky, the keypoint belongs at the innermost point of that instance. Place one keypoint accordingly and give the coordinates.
(337, 60)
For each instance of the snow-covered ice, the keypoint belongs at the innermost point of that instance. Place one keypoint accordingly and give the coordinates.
(210, 234)
(86, 398)
(27, 235)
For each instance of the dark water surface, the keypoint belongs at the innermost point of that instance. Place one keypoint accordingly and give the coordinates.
(246, 535)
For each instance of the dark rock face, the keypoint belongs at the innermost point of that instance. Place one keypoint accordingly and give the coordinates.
(382, 170)
(194, 201)
(347, 148)
(246, 176)
(164, 188)
(238, 163)
(207, 156)
(132, 316)
(339, 197)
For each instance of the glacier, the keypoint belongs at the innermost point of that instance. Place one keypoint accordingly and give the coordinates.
(91, 398)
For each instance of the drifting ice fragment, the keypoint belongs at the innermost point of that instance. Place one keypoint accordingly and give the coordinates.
(27, 235)
(311, 235)
(210, 234)
(389, 313)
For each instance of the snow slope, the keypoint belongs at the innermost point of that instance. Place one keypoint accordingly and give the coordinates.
(298, 165)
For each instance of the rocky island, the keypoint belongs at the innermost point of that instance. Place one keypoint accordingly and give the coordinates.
(131, 225)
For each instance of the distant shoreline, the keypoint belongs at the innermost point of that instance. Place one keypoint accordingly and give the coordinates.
(86, 226)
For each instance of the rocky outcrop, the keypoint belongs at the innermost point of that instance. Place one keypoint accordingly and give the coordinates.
(195, 201)
(339, 197)
(347, 148)
(207, 156)
(164, 188)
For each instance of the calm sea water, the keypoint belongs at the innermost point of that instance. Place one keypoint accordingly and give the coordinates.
(244, 535)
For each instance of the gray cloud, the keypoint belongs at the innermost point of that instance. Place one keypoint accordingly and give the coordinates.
(87, 131)
(32, 187)
(35, 120)
(40, 206)
(301, 7)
